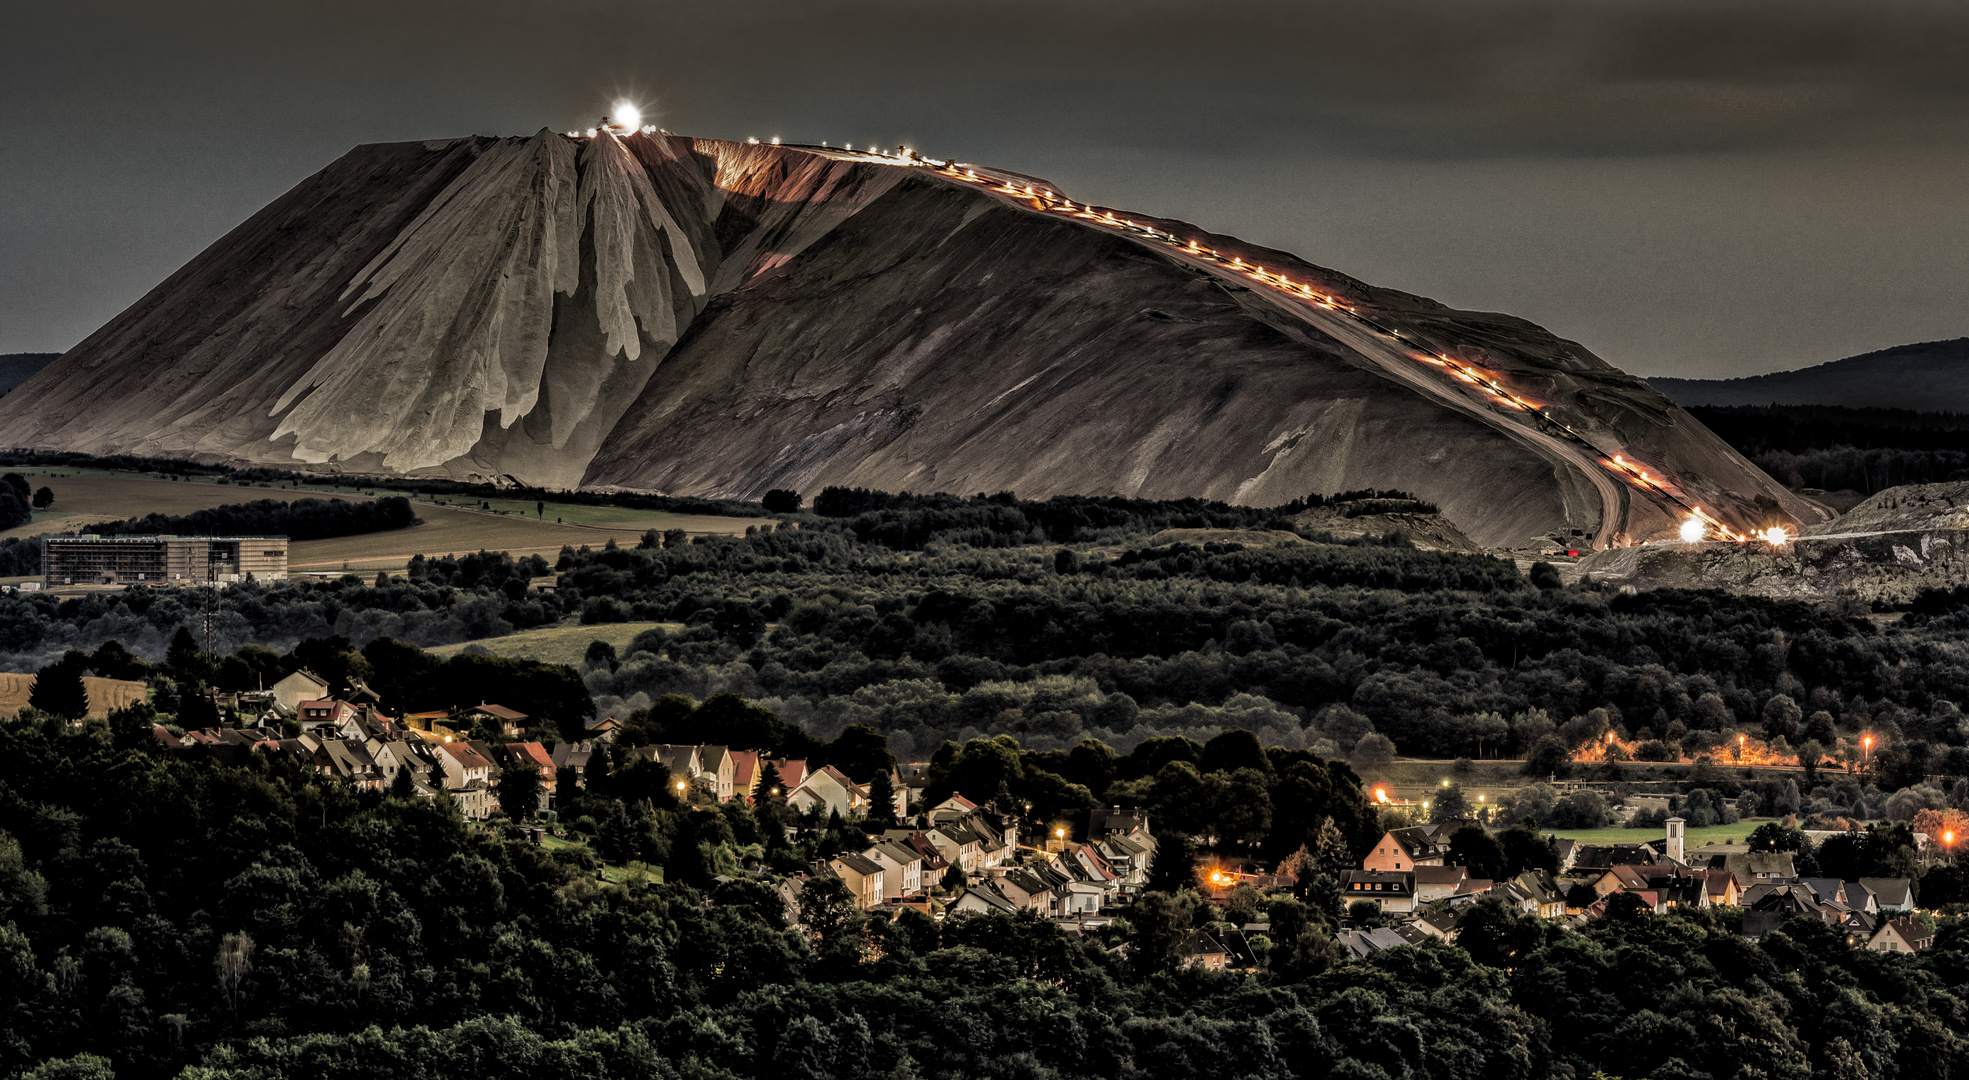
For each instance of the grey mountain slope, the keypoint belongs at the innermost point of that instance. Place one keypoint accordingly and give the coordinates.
(1931, 376)
(694, 316)
(1065, 383)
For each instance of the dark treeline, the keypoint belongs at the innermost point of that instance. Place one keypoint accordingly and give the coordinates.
(1445, 655)
(20, 556)
(908, 522)
(164, 915)
(301, 519)
(16, 501)
(1834, 448)
(178, 468)
(452, 600)
(1757, 428)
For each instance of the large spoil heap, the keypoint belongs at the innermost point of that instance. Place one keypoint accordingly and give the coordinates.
(694, 316)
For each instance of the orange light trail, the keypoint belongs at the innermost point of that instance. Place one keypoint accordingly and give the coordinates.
(1494, 391)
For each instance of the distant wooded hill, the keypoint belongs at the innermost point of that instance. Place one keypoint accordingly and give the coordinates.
(1825, 446)
(17, 368)
(1927, 377)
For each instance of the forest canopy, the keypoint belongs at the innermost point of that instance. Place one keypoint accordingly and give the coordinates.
(301, 519)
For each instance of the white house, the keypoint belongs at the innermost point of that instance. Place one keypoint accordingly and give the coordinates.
(467, 777)
(902, 868)
(302, 685)
(862, 876)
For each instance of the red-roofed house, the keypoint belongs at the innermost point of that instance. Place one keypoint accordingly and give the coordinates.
(510, 721)
(1722, 888)
(745, 772)
(1402, 850)
(831, 787)
(1900, 935)
(467, 776)
(324, 713)
(532, 755)
(1438, 882)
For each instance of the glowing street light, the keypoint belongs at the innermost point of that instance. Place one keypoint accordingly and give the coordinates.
(1692, 530)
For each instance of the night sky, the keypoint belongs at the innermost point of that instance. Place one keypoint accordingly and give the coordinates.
(1695, 189)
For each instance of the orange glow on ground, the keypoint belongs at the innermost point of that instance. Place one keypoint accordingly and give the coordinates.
(1741, 750)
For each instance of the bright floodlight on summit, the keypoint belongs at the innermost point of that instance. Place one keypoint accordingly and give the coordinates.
(626, 115)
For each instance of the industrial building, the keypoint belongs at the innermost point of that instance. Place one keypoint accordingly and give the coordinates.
(159, 560)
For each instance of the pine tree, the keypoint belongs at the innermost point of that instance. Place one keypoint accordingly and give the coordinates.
(767, 786)
(58, 690)
(185, 658)
(882, 801)
(597, 776)
(404, 784)
(131, 728)
(519, 792)
(195, 708)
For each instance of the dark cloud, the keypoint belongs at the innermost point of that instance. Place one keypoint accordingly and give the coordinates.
(1723, 186)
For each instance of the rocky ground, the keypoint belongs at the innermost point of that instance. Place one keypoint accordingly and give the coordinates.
(1882, 552)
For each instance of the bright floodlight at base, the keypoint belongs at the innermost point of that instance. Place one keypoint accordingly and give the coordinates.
(1692, 530)
(625, 115)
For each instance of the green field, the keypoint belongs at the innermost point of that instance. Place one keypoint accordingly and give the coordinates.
(1693, 838)
(450, 526)
(633, 874)
(558, 644)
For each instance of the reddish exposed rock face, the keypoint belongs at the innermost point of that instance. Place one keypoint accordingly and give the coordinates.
(703, 317)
